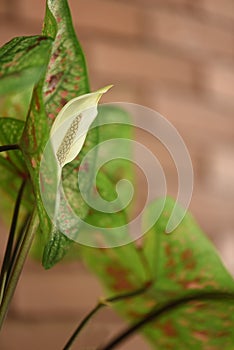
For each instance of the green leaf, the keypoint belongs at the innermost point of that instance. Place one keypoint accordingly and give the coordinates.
(177, 264)
(16, 105)
(115, 123)
(70, 172)
(55, 249)
(58, 245)
(11, 131)
(66, 77)
(185, 260)
(22, 63)
(121, 268)
(180, 256)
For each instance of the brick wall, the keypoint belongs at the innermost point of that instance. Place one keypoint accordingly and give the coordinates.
(175, 56)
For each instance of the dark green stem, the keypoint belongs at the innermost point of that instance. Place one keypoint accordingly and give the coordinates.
(18, 266)
(165, 308)
(8, 254)
(101, 304)
(9, 147)
(18, 244)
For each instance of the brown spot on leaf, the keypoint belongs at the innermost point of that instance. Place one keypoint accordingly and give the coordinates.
(53, 81)
(188, 258)
(201, 335)
(51, 115)
(193, 284)
(37, 101)
(64, 93)
(33, 162)
(168, 250)
(223, 334)
(41, 38)
(190, 265)
(198, 305)
(135, 315)
(55, 55)
(120, 276)
(63, 101)
(187, 254)
(170, 262)
(150, 303)
(168, 329)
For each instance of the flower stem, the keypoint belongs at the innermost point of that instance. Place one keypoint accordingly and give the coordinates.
(18, 266)
(101, 304)
(168, 307)
(8, 254)
(9, 147)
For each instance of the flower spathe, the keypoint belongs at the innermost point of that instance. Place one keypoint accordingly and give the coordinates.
(70, 128)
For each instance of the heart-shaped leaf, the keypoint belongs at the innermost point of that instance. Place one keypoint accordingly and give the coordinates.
(183, 261)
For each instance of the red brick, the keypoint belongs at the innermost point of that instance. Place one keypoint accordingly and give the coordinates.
(213, 213)
(120, 92)
(3, 8)
(139, 65)
(220, 8)
(22, 334)
(199, 122)
(25, 10)
(45, 334)
(184, 31)
(220, 170)
(56, 291)
(10, 28)
(162, 3)
(225, 242)
(106, 16)
(220, 79)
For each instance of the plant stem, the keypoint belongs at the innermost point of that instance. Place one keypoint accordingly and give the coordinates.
(8, 254)
(20, 238)
(18, 266)
(168, 307)
(9, 147)
(101, 304)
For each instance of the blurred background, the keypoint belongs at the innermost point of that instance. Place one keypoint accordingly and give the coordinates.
(175, 56)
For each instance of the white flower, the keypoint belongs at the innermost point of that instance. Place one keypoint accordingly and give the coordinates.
(71, 125)
(67, 137)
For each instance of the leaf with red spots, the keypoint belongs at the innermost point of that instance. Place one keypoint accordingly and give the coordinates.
(16, 105)
(65, 78)
(177, 264)
(22, 63)
(185, 261)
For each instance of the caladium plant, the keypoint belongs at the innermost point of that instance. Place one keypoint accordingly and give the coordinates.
(174, 287)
